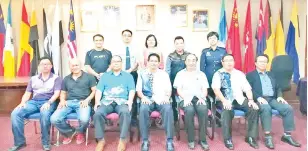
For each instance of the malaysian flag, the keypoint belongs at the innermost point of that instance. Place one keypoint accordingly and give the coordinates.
(71, 43)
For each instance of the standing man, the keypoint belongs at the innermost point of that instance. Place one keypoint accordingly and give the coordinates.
(192, 87)
(269, 95)
(175, 63)
(78, 89)
(130, 62)
(45, 89)
(154, 90)
(98, 59)
(115, 93)
(229, 85)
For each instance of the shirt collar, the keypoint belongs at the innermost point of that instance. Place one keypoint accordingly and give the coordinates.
(82, 73)
(260, 72)
(112, 73)
(50, 75)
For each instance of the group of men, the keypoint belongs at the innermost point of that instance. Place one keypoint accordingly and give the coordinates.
(112, 81)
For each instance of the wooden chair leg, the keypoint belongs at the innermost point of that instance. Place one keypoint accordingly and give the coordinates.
(35, 128)
(58, 142)
(87, 136)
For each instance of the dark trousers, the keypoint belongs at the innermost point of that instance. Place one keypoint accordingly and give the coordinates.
(174, 105)
(166, 114)
(100, 119)
(285, 111)
(251, 116)
(201, 111)
(134, 106)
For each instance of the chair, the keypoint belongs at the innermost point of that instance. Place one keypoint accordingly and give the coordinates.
(72, 117)
(211, 113)
(113, 120)
(282, 68)
(35, 117)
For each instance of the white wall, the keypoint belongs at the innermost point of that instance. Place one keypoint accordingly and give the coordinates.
(165, 33)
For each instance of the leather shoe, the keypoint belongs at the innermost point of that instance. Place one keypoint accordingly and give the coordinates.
(145, 146)
(16, 148)
(229, 144)
(204, 145)
(191, 145)
(46, 147)
(268, 141)
(252, 142)
(170, 146)
(288, 139)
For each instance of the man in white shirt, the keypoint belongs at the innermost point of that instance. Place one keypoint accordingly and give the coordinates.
(192, 87)
(154, 89)
(229, 85)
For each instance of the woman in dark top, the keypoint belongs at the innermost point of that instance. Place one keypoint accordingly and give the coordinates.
(210, 60)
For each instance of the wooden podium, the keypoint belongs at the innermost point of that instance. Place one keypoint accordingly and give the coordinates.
(11, 92)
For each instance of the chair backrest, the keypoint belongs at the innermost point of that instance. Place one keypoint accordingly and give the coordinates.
(282, 68)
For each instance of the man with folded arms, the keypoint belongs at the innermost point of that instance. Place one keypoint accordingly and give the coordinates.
(229, 84)
(269, 95)
(115, 93)
(45, 88)
(78, 89)
(154, 89)
(192, 87)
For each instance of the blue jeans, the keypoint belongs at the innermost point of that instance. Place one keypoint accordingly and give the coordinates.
(59, 118)
(17, 119)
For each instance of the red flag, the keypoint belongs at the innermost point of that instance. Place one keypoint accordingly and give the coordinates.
(249, 58)
(234, 39)
(25, 53)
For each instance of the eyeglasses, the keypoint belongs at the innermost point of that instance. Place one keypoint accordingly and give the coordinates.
(127, 35)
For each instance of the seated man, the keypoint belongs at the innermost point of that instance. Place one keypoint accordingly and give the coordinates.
(115, 93)
(154, 89)
(78, 89)
(192, 87)
(269, 95)
(228, 85)
(45, 88)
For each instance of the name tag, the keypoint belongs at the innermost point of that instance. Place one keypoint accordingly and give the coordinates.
(208, 54)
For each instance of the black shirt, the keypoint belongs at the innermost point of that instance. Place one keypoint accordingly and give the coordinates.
(98, 60)
(80, 88)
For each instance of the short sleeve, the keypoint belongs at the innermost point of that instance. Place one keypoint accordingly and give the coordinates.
(87, 59)
(29, 86)
(139, 83)
(216, 83)
(130, 83)
(64, 87)
(58, 84)
(204, 81)
(92, 81)
(177, 81)
(100, 86)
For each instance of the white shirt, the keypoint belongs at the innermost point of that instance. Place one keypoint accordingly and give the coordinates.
(239, 84)
(161, 85)
(191, 84)
(121, 51)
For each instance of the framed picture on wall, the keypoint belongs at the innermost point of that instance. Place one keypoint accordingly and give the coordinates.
(89, 21)
(200, 20)
(145, 17)
(111, 16)
(179, 15)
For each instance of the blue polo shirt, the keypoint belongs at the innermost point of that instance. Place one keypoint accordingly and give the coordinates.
(115, 87)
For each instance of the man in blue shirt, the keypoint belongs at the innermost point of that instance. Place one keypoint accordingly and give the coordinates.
(115, 93)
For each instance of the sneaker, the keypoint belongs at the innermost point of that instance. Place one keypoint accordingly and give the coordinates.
(80, 138)
(68, 139)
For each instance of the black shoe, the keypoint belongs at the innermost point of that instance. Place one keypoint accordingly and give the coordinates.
(204, 145)
(170, 146)
(288, 139)
(252, 142)
(46, 147)
(16, 148)
(145, 146)
(229, 144)
(268, 141)
(191, 145)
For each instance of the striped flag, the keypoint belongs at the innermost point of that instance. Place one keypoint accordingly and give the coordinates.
(269, 34)
(249, 61)
(71, 43)
(260, 34)
(2, 41)
(9, 55)
(223, 28)
(33, 40)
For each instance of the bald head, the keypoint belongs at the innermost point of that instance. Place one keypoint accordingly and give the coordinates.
(75, 66)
